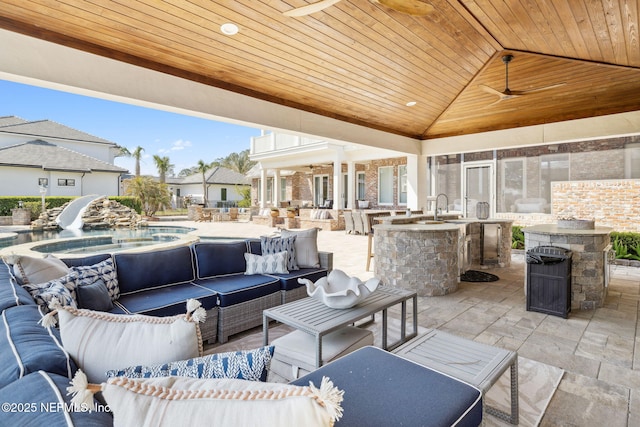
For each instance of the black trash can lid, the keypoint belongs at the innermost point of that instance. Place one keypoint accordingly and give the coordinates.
(547, 255)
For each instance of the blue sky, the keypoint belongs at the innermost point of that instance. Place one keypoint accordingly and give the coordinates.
(184, 139)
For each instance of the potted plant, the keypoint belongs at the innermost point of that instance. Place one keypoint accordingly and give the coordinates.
(292, 212)
(275, 212)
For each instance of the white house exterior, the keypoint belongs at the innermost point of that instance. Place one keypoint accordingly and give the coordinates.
(223, 187)
(47, 155)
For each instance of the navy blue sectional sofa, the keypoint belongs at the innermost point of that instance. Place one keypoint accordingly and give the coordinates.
(158, 283)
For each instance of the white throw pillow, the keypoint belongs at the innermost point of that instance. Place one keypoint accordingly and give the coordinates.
(306, 245)
(266, 264)
(39, 270)
(100, 341)
(173, 401)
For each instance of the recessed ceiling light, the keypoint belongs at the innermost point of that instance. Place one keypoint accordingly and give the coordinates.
(411, 103)
(229, 29)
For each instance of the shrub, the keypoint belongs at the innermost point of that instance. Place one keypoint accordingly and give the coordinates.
(517, 237)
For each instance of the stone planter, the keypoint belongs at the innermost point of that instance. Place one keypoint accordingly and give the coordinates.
(21, 216)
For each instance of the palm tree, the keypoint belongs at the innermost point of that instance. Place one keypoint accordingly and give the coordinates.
(164, 165)
(203, 168)
(136, 154)
(239, 162)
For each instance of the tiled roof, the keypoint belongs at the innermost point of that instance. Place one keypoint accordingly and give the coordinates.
(46, 129)
(46, 155)
(218, 175)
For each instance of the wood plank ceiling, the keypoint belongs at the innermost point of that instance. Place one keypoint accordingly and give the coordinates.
(361, 62)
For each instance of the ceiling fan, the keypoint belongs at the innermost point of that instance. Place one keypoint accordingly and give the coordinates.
(411, 7)
(508, 93)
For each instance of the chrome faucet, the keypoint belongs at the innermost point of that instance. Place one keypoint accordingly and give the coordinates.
(435, 212)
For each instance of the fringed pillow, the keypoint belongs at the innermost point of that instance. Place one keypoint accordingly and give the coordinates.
(173, 401)
(100, 341)
(250, 365)
(37, 270)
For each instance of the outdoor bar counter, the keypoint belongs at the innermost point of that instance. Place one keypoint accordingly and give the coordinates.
(420, 254)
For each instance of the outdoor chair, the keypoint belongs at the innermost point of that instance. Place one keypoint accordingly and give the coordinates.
(204, 216)
(358, 224)
(348, 222)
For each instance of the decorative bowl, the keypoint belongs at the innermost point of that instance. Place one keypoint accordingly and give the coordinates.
(337, 290)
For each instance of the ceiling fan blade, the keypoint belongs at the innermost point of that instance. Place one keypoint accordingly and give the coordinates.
(539, 89)
(490, 90)
(410, 7)
(310, 8)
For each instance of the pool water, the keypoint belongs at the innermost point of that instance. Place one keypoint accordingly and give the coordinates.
(121, 237)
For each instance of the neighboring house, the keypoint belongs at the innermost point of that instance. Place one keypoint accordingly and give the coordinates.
(597, 178)
(223, 188)
(38, 155)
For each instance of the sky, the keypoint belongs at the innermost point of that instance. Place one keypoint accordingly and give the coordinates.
(183, 139)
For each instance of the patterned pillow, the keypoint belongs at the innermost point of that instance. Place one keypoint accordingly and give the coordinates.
(63, 288)
(273, 245)
(104, 270)
(251, 365)
(267, 264)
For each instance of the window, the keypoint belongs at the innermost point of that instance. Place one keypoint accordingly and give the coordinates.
(223, 194)
(513, 184)
(402, 184)
(269, 189)
(66, 182)
(632, 160)
(283, 189)
(320, 189)
(385, 185)
(361, 194)
(43, 182)
(553, 167)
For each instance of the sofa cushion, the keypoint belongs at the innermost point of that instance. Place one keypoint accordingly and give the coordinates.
(87, 260)
(145, 270)
(265, 264)
(250, 365)
(289, 281)
(272, 245)
(219, 258)
(25, 346)
(94, 296)
(167, 300)
(369, 375)
(236, 288)
(100, 341)
(11, 293)
(105, 271)
(43, 400)
(38, 270)
(195, 402)
(306, 245)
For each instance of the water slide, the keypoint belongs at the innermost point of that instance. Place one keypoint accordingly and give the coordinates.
(71, 216)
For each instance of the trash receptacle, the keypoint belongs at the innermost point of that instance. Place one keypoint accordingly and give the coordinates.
(549, 280)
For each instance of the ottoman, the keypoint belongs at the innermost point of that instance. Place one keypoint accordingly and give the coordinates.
(294, 353)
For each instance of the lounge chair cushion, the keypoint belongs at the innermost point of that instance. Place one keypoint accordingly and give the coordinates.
(427, 397)
(236, 288)
(167, 300)
(250, 365)
(11, 293)
(88, 260)
(43, 398)
(28, 347)
(289, 280)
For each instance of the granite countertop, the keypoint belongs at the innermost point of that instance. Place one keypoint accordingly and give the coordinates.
(553, 229)
(445, 226)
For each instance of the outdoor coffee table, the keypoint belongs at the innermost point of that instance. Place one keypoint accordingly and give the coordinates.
(315, 318)
(478, 364)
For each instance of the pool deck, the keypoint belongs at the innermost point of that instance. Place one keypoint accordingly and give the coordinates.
(598, 349)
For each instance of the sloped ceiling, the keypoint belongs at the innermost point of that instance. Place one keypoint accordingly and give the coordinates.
(361, 62)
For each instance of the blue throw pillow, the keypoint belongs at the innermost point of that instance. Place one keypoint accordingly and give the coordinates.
(251, 365)
(94, 296)
(273, 245)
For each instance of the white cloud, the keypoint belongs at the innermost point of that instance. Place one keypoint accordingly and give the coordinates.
(180, 145)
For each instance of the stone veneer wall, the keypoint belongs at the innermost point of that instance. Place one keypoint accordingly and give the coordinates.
(611, 203)
(425, 261)
(588, 290)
